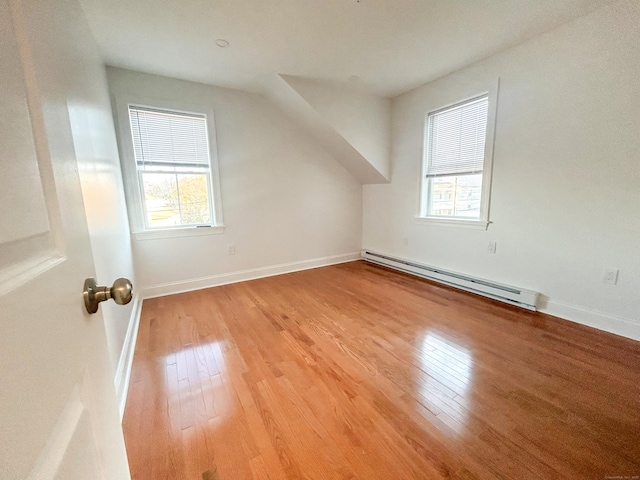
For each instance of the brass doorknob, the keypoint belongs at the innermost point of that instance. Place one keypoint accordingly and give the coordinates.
(121, 291)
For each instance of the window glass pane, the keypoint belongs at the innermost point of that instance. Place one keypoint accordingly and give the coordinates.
(455, 196)
(161, 199)
(175, 199)
(194, 200)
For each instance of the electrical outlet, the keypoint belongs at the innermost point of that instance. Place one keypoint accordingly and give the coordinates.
(610, 276)
(491, 248)
(232, 249)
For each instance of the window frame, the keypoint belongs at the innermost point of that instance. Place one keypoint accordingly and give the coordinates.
(132, 177)
(487, 170)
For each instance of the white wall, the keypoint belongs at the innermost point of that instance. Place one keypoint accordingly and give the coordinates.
(566, 185)
(284, 200)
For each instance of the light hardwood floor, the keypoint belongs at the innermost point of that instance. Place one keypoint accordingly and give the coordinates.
(356, 371)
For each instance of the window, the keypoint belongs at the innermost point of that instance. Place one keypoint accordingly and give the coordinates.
(170, 177)
(456, 180)
(171, 151)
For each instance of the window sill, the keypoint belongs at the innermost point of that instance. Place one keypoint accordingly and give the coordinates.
(178, 232)
(450, 222)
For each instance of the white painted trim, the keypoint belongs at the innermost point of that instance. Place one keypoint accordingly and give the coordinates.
(17, 275)
(452, 222)
(48, 463)
(171, 288)
(493, 93)
(130, 178)
(624, 327)
(123, 370)
(178, 232)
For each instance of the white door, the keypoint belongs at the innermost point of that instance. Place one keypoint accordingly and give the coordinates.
(58, 414)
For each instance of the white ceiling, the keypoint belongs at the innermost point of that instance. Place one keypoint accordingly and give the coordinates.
(392, 45)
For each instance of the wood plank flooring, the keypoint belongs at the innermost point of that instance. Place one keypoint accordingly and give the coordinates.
(358, 372)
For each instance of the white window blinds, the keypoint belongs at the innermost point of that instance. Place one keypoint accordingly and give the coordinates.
(455, 139)
(168, 139)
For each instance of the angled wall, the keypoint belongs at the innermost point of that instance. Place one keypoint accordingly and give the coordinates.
(353, 127)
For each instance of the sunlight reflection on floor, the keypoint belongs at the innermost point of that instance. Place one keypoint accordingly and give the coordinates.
(194, 384)
(446, 385)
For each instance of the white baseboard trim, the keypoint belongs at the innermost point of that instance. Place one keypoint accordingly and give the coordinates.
(171, 288)
(592, 318)
(123, 371)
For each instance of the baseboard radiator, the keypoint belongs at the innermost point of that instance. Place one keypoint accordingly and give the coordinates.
(505, 293)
